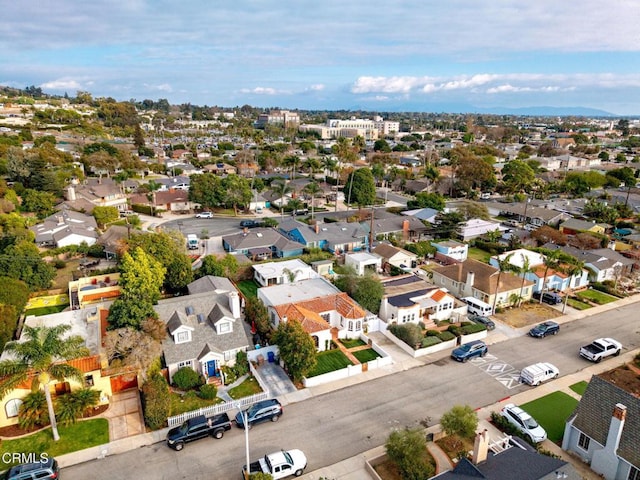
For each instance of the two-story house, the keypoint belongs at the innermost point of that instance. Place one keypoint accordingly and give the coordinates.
(205, 329)
(278, 273)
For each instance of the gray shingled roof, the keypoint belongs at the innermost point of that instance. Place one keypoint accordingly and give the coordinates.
(594, 412)
(210, 283)
(515, 463)
(213, 306)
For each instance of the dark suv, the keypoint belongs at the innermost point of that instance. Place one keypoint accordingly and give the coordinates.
(260, 412)
(476, 348)
(545, 328)
(198, 427)
(486, 321)
(46, 470)
(548, 297)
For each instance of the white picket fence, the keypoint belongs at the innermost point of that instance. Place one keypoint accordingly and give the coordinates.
(241, 403)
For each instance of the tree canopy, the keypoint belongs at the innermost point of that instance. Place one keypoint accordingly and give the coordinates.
(297, 349)
(360, 188)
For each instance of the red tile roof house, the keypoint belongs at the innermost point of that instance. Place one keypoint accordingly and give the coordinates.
(319, 307)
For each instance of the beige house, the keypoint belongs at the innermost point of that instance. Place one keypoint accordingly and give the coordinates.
(472, 278)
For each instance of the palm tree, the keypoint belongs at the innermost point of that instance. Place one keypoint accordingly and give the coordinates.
(572, 270)
(526, 268)
(551, 261)
(329, 165)
(295, 204)
(313, 166)
(281, 188)
(504, 265)
(42, 357)
(312, 189)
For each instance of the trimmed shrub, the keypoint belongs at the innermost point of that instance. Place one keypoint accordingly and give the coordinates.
(33, 411)
(454, 330)
(156, 401)
(430, 341)
(432, 333)
(409, 333)
(208, 391)
(242, 364)
(187, 378)
(473, 328)
(446, 336)
(73, 405)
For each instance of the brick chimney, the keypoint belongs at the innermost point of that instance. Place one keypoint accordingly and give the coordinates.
(317, 228)
(480, 447)
(405, 229)
(471, 278)
(615, 427)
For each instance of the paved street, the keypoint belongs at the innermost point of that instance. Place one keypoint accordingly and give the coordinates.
(348, 418)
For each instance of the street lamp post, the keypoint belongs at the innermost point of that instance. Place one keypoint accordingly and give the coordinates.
(246, 439)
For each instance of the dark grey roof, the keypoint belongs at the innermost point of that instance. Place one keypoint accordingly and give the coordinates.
(394, 225)
(210, 283)
(594, 412)
(260, 237)
(213, 306)
(519, 462)
(404, 299)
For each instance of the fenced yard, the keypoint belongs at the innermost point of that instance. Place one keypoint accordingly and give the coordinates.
(249, 288)
(329, 361)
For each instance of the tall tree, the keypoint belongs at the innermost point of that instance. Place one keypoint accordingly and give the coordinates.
(360, 188)
(504, 265)
(297, 349)
(236, 192)
(281, 188)
(205, 189)
(42, 358)
(523, 271)
(551, 261)
(312, 189)
(141, 276)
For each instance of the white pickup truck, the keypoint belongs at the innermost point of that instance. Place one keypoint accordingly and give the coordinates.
(279, 464)
(601, 348)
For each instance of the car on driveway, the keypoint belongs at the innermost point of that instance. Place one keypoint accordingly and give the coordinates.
(549, 298)
(486, 321)
(204, 215)
(524, 422)
(545, 328)
(476, 348)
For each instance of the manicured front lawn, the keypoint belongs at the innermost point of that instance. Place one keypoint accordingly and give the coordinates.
(480, 255)
(552, 411)
(579, 387)
(249, 387)
(330, 361)
(577, 304)
(597, 296)
(81, 435)
(367, 355)
(352, 342)
(249, 288)
(45, 310)
(189, 401)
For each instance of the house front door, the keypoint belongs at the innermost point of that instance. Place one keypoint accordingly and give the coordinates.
(211, 368)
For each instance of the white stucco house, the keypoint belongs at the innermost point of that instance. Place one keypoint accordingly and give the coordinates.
(363, 261)
(278, 273)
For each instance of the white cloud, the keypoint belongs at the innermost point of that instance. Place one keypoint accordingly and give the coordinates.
(317, 87)
(62, 84)
(163, 87)
(260, 91)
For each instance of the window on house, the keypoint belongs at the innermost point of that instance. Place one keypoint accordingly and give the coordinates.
(326, 317)
(351, 325)
(358, 325)
(224, 327)
(88, 381)
(12, 407)
(583, 441)
(182, 337)
(634, 474)
(186, 363)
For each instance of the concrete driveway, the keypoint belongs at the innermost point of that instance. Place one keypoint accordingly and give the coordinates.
(276, 378)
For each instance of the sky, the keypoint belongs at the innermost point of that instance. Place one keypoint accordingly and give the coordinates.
(394, 55)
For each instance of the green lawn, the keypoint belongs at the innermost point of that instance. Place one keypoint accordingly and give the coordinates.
(249, 288)
(551, 411)
(351, 343)
(330, 361)
(579, 387)
(249, 387)
(367, 355)
(45, 310)
(81, 435)
(597, 296)
(577, 304)
(480, 255)
(189, 401)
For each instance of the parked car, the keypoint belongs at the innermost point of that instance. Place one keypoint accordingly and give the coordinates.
(258, 209)
(538, 372)
(548, 297)
(204, 215)
(545, 328)
(250, 224)
(260, 412)
(524, 422)
(47, 469)
(279, 465)
(486, 321)
(476, 348)
(601, 348)
(196, 428)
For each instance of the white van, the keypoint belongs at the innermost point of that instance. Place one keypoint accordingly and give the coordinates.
(478, 307)
(538, 372)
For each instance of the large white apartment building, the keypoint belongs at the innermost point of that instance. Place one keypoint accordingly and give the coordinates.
(365, 128)
(278, 117)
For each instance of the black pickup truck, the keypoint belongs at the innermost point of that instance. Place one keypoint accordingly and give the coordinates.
(198, 427)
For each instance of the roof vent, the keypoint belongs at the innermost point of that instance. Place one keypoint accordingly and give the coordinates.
(259, 235)
(200, 318)
(190, 310)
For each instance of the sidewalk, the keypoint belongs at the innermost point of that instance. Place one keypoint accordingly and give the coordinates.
(356, 468)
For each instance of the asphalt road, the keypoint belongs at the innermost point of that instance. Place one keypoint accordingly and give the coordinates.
(337, 425)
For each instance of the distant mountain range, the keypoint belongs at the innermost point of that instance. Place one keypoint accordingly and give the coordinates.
(544, 111)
